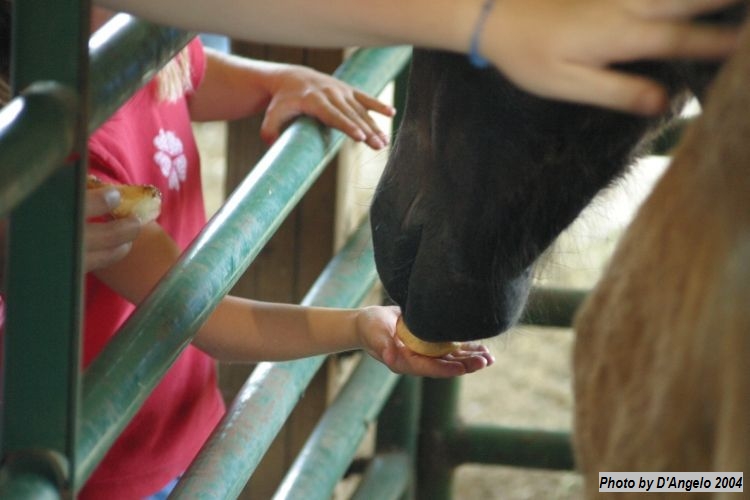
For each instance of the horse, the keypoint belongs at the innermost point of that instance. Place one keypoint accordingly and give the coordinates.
(661, 371)
(482, 177)
(481, 180)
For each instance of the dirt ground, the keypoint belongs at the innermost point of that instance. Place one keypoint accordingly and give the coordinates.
(529, 385)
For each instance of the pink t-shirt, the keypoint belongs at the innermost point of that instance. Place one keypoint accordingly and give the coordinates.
(151, 142)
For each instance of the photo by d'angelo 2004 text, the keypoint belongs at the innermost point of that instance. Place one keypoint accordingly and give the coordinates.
(675, 482)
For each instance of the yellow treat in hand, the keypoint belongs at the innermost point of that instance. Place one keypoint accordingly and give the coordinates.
(431, 349)
(141, 200)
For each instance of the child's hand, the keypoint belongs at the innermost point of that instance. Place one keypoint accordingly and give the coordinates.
(106, 242)
(301, 90)
(564, 48)
(377, 332)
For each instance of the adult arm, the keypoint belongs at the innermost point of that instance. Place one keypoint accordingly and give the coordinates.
(560, 49)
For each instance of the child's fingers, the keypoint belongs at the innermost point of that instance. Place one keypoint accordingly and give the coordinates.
(108, 242)
(475, 363)
(100, 201)
(370, 103)
(474, 356)
(339, 116)
(373, 104)
(406, 362)
(469, 359)
(360, 114)
(347, 115)
(347, 106)
(342, 108)
(108, 235)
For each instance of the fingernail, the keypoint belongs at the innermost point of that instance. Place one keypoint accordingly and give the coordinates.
(112, 198)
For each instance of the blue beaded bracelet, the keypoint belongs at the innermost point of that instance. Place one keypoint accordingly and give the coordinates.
(476, 59)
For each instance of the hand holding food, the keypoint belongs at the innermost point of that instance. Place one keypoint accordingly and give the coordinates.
(431, 349)
(143, 201)
(106, 239)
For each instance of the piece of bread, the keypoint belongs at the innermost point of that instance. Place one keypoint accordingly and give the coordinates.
(431, 349)
(143, 201)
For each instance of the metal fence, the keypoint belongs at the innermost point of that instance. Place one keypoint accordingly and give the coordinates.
(57, 423)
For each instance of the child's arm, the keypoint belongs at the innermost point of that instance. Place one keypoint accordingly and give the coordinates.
(235, 87)
(556, 48)
(244, 330)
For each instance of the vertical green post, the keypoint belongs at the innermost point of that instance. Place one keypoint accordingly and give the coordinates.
(398, 425)
(42, 339)
(438, 419)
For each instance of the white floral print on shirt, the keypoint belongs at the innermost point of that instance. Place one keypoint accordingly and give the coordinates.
(170, 158)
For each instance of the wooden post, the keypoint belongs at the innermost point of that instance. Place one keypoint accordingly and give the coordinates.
(287, 266)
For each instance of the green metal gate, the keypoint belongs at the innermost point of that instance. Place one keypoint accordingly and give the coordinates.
(57, 423)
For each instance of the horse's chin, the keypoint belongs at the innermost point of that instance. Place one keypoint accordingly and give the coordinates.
(462, 310)
(444, 295)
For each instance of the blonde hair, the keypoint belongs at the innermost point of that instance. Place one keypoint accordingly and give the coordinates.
(173, 81)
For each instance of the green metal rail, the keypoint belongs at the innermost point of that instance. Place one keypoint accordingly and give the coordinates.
(40, 421)
(123, 375)
(334, 441)
(38, 132)
(265, 401)
(57, 425)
